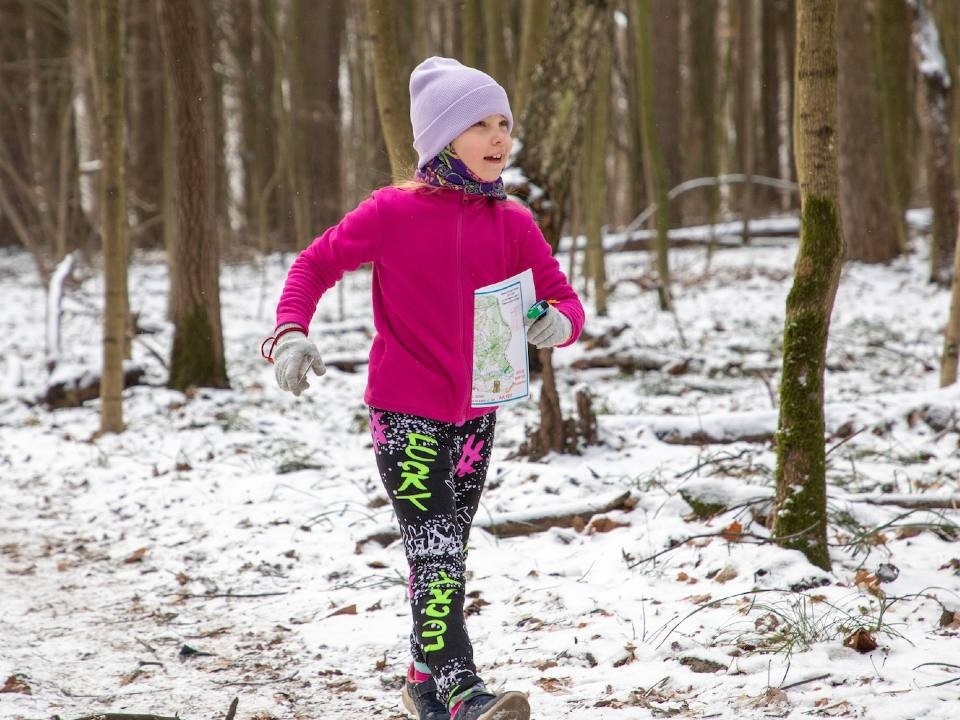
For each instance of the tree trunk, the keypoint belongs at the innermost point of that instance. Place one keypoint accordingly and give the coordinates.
(744, 111)
(320, 119)
(703, 97)
(866, 208)
(552, 126)
(800, 521)
(951, 338)
(654, 164)
(937, 104)
(536, 20)
(197, 358)
(787, 30)
(495, 24)
(768, 162)
(393, 100)
(595, 176)
(471, 24)
(665, 44)
(108, 17)
(891, 43)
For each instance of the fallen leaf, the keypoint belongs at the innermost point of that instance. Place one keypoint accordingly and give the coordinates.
(728, 573)
(136, 556)
(546, 665)
(699, 665)
(868, 582)
(182, 578)
(16, 684)
(861, 641)
(699, 599)
(682, 576)
(908, 532)
(602, 524)
(631, 656)
(345, 610)
(732, 532)
(376, 606)
(554, 685)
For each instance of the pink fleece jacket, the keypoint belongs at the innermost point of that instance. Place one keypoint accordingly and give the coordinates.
(430, 249)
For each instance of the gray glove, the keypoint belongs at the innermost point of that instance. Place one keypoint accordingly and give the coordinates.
(293, 358)
(550, 329)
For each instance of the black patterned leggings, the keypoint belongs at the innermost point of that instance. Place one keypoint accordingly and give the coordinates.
(434, 473)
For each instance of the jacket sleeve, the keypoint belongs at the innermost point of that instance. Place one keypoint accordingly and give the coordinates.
(353, 241)
(551, 284)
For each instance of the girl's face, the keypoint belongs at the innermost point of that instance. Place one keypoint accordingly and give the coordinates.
(485, 146)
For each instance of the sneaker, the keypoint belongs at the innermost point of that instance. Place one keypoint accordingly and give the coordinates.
(420, 700)
(486, 706)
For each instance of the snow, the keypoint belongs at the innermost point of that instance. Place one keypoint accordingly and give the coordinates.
(229, 520)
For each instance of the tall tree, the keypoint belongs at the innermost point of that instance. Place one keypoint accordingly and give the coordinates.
(768, 159)
(703, 98)
(536, 20)
(800, 518)
(594, 188)
(665, 64)
(937, 104)
(393, 100)
(197, 357)
(655, 168)
(552, 126)
(108, 25)
(320, 116)
(866, 208)
(744, 111)
(891, 43)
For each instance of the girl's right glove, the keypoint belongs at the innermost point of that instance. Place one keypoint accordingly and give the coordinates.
(551, 329)
(294, 357)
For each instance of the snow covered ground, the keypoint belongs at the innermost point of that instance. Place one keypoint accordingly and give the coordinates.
(213, 550)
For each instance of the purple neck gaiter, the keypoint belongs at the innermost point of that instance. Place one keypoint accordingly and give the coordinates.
(447, 170)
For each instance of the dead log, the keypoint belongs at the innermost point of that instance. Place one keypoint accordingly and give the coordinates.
(75, 390)
(624, 363)
(527, 522)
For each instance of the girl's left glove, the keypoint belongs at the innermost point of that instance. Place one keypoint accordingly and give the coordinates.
(295, 356)
(551, 329)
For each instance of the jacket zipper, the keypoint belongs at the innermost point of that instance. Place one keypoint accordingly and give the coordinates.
(469, 365)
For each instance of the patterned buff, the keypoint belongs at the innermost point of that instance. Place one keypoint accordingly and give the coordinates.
(447, 170)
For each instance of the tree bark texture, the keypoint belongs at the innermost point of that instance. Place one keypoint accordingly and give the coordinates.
(866, 207)
(552, 126)
(393, 101)
(110, 37)
(655, 170)
(197, 358)
(951, 338)
(800, 519)
(936, 101)
(768, 159)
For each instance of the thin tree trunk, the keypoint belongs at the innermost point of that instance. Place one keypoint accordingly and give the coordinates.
(768, 162)
(703, 96)
(393, 100)
(654, 164)
(744, 111)
(800, 521)
(536, 20)
(866, 208)
(197, 358)
(951, 337)
(787, 31)
(892, 58)
(110, 37)
(665, 44)
(494, 23)
(937, 104)
(595, 185)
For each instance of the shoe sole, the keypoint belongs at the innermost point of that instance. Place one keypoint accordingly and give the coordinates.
(511, 705)
(408, 703)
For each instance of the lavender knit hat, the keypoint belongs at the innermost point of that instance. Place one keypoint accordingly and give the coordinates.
(446, 98)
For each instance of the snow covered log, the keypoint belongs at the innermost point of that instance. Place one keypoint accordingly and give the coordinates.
(527, 522)
(74, 390)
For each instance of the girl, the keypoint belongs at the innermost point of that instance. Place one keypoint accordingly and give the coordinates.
(432, 242)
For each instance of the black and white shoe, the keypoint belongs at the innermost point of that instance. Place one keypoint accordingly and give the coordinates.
(510, 705)
(420, 700)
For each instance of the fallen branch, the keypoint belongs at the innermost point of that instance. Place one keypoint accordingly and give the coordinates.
(915, 502)
(74, 391)
(527, 523)
(126, 716)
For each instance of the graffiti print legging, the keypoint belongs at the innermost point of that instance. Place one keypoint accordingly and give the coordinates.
(433, 473)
